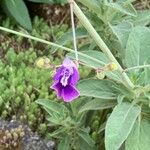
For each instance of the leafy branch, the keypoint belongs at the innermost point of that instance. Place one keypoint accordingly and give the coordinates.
(85, 22)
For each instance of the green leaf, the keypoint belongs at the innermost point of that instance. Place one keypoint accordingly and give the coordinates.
(55, 120)
(49, 1)
(143, 18)
(65, 143)
(138, 45)
(147, 76)
(120, 124)
(52, 106)
(19, 11)
(99, 57)
(92, 5)
(57, 132)
(120, 98)
(123, 8)
(42, 1)
(96, 59)
(97, 104)
(97, 88)
(86, 137)
(67, 37)
(122, 31)
(139, 138)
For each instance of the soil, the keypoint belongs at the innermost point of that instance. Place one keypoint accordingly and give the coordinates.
(54, 14)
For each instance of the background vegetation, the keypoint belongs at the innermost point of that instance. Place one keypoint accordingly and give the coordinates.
(80, 124)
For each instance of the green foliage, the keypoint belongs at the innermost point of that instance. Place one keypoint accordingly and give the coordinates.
(65, 143)
(49, 1)
(19, 11)
(139, 136)
(21, 84)
(71, 130)
(137, 48)
(120, 124)
(98, 104)
(104, 89)
(81, 123)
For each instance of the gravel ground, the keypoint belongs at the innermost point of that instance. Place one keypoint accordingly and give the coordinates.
(28, 140)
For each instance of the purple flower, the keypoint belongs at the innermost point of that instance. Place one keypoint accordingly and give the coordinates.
(66, 79)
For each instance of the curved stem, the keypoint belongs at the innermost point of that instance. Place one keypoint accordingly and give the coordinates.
(85, 22)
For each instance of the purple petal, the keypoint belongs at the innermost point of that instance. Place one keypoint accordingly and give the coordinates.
(58, 73)
(75, 76)
(68, 63)
(58, 88)
(70, 93)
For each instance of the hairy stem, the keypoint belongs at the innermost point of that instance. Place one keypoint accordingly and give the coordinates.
(50, 43)
(85, 22)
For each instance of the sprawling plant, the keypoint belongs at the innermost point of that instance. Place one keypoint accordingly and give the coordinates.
(120, 89)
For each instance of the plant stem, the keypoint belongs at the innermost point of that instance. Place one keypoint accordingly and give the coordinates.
(73, 32)
(36, 39)
(136, 67)
(50, 43)
(85, 22)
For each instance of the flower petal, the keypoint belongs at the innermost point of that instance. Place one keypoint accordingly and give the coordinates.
(68, 63)
(58, 73)
(75, 76)
(58, 88)
(70, 93)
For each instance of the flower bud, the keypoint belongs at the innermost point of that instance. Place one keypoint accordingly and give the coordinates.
(111, 67)
(43, 63)
(100, 74)
(40, 63)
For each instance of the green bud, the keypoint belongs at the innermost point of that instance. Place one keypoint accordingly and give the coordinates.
(95, 124)
(94, 136)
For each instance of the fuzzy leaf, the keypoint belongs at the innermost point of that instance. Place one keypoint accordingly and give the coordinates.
(139, 138)
(138, 45)
(97, 104)
(143, 18)
(120, 124)
(122, 31)
(67, 37)
(52, 106)
(121, 7)
(86, 137)
(92, 5)
(64, 143)
(97, 88)
(98, 57)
